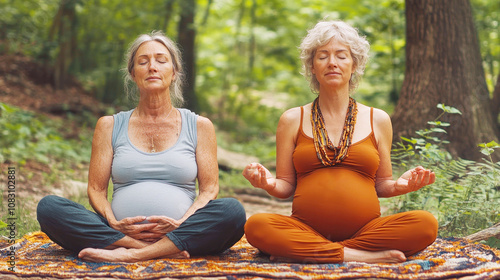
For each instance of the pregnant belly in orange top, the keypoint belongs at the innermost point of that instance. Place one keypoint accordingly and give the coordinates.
(335, 202)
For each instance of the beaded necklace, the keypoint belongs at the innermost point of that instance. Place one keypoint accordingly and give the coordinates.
(320, 135)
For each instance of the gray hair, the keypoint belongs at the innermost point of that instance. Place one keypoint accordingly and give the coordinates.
(320, 35)
(176, 86)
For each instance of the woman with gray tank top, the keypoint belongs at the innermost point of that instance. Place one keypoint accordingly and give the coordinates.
(153, 154)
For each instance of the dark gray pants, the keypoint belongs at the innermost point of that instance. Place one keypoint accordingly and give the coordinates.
(210, 230)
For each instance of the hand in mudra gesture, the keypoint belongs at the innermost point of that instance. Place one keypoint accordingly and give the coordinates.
(259, 176)
(414, 179)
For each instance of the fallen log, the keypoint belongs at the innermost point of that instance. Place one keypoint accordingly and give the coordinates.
(229, 160)
(485, 234)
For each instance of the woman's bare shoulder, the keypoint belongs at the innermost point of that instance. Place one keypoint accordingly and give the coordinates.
(105, 122)
(289, 123)
(104, 125)
(293, 115)
(290, 115)
(381, 117)
(205, 125)
(103, 129)
(382, 125)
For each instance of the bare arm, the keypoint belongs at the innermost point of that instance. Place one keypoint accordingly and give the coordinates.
(100, 168)
(99, 175)
(283, 186)
(385, 185)
(208, 168)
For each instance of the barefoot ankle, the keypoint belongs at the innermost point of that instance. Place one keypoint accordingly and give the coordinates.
(388, 256)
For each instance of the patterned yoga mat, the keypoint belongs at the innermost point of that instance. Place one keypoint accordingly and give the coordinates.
(36, 255)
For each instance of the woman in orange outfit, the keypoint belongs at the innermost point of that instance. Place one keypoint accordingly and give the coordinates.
(333, 156)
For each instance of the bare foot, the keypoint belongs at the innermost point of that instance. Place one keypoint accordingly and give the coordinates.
(138, 244)
(180, 255)
(119, 255)
(389, 256)
(104, 255)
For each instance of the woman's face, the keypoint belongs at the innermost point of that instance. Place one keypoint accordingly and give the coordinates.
(153, 67)
(333, 65)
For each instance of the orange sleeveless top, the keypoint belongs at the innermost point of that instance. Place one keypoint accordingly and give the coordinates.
(339, 200)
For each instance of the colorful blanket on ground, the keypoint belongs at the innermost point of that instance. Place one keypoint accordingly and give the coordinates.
(36, 255)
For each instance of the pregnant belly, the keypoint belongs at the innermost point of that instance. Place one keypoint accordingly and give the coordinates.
(151, 199)
(336, 203)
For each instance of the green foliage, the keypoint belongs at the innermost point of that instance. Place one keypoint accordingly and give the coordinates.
(25, 220)
(487, 21)
(465, 195)
(26, 136)
(231, 180)
(242, 47)
(488, 148)
(24, 25)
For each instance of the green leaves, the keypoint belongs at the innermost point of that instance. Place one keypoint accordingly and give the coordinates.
(488, 148)
(438, 123)
(26, 136)
(465, 196)
(429, 142)
(448, 109)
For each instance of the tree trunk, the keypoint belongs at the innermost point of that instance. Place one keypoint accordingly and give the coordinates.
(207, 13)
(495, 102)
(186, 39)
(168, 13)
(251, 45)
(444, 65)
(64, 25)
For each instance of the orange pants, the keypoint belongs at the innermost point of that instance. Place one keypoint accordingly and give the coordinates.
(284, 236)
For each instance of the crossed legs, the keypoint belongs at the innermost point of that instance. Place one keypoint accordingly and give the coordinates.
(385, 239)
(210, 230)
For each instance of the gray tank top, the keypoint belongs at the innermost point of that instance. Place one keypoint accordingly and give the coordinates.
(147, 184)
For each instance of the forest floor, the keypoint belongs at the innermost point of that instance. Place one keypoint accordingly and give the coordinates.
(26, 84)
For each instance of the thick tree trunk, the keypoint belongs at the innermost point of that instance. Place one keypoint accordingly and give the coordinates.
(186, 39)
(443, 65)
(64, 25)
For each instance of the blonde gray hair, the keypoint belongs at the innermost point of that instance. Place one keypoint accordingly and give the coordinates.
(320, 35)
(176, 85)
